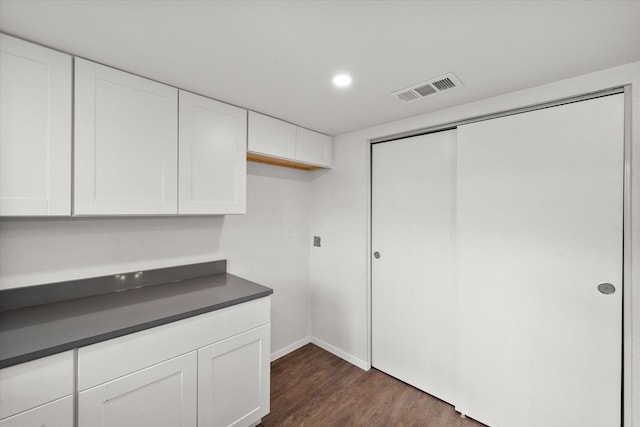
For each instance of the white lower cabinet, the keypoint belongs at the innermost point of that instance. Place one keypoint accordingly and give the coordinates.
(160, 395)
(233, 380)
(207, 370)
(58, 413)
(38, 393)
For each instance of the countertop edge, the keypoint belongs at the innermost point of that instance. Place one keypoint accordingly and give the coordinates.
(74, 344)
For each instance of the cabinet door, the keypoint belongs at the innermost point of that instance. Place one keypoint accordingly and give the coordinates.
(271, 137)
(58, 413)
(233, 380)
(313, 147)
(158, 396)
(35, 129)
(213, 161)
(126, 143)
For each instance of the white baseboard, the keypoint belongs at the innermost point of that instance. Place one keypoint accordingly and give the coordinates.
(341, 354)
(291, 347)
(324, 345)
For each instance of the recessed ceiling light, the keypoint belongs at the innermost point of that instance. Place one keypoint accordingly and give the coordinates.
(342, 80)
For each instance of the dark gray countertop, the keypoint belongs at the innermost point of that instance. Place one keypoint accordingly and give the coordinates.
(41, 330)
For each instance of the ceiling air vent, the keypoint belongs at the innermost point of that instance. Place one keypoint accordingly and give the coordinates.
(430, 87)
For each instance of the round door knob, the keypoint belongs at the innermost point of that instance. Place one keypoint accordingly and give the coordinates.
(376, 255)
(606, 288)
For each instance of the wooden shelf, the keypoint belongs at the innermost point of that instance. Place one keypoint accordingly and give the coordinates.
(252, 157)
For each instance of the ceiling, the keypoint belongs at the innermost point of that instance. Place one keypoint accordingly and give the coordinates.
(278, 57)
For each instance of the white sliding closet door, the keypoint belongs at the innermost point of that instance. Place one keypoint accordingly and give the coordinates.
(539, 227)
(413, 207)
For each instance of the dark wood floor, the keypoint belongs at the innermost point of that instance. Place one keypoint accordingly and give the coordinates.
(311, 387)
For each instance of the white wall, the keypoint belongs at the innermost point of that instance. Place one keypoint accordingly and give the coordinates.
(340, 269)
(258, 247)
(339, 289)
(37, 251)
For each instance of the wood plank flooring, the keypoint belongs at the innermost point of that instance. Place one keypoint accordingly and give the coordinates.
(312, 387)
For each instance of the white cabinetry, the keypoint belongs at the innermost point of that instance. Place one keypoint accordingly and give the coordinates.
(213, 166)
(58, 413)
(233, 380)
(38, 393)
(126, 143)
(160, 395)
(35, 129)
(271, 136)
(313, 148)
(277, 142)
(213, 368)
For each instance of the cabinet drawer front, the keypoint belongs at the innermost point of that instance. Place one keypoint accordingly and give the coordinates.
(35, 383)
(58, 413)
(102, 362)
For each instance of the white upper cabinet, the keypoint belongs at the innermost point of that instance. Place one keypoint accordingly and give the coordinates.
(126, 143)
(35, 129)
(271, 136)
(281, 143)
(212, 165)
(313, 148)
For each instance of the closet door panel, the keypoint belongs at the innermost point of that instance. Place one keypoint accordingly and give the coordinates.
(413, 306)
(539, 226)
